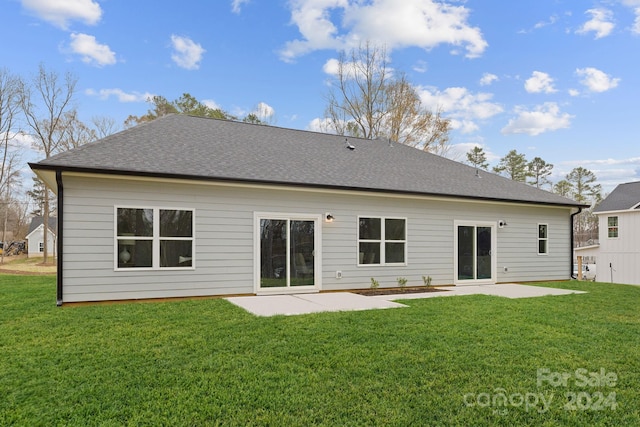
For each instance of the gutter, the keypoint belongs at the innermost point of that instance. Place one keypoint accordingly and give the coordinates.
(59, 239)
(573, 215)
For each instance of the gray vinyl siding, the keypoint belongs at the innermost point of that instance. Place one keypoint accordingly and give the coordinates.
(224, 237)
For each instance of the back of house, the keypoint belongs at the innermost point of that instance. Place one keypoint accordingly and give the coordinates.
(187, 206)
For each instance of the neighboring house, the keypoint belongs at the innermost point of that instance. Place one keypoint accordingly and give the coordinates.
(618, 252)
(187, 206)
(35, 236)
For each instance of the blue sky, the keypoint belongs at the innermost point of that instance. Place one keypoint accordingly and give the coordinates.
(553, 79)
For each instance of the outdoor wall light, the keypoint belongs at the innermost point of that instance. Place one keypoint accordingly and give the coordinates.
(502, 223)
(328, 217)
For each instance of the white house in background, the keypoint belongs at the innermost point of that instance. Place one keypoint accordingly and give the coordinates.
(618, 254)
(35, 237)
(189, 206)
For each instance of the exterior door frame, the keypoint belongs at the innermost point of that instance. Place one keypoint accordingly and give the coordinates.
(317, 258)
(494, 252)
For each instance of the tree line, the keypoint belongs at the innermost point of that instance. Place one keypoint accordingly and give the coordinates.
(580, 185)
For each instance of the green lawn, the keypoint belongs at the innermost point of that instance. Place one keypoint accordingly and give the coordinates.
(443, 361)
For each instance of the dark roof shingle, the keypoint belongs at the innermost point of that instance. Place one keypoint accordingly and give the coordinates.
(199, 148)
(623, 197)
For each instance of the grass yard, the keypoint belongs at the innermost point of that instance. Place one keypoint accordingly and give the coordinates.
(467, 361)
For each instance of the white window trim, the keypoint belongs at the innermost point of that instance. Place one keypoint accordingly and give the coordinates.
(317, 259)
(382, 241)
(543, 238)
(155, 261)
(617, 227)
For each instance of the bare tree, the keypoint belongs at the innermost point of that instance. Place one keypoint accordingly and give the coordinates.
(45, 102)
(409, 122)
(367, 101)
(73, 132)
(12, 177)
(9, 108)
(104, 126)
(360, 90)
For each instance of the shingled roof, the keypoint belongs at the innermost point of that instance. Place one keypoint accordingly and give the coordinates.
(622, 198)
(187, 147)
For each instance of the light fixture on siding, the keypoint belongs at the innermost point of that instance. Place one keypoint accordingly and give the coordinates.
(502, 223)
(328, 217)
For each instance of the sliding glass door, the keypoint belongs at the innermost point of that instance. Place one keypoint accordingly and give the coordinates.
(287, 253)
(475, 260)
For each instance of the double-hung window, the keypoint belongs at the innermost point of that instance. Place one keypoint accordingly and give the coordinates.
(612, 226)
(382, 241)
(154, 238)
(543, 239)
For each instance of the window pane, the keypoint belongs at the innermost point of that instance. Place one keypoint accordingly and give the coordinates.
(394, 253)
(273, 253)
(542, 246)
(612, 221)
(134, 253)
(301, 255)
(135, 222)
(370, 229)
(369, 253)
(176, 253)
(542, 231)
(174, 223)
(394, 229)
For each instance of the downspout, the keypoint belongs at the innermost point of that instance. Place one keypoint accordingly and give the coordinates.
(573, 215)
(59, 237)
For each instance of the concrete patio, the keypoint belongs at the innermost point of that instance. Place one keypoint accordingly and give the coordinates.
(272, 305)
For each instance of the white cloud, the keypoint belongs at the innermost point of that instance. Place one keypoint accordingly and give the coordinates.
(420, 67)
(461, 106)
(600, 23)
(543, 118)
(120, 94)
(596, 80)
(322, 125)
(211, 104)
(539, 82)
(552, 20)
(91, 51)
(420, 23)
(264, 111)
(574, 92)
(61, 12)
(187, 54)
(236, 5)
(635, 5)
(487, 79)
(350, 70)
(20, 140)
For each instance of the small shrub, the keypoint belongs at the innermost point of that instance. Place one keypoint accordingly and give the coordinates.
(374, 284)
(402, 282)
(426, 280)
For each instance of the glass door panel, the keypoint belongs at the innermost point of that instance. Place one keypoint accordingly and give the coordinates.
(483, 252)
(466, 244)
(474, 252)
(273, 253)
(302, 253)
